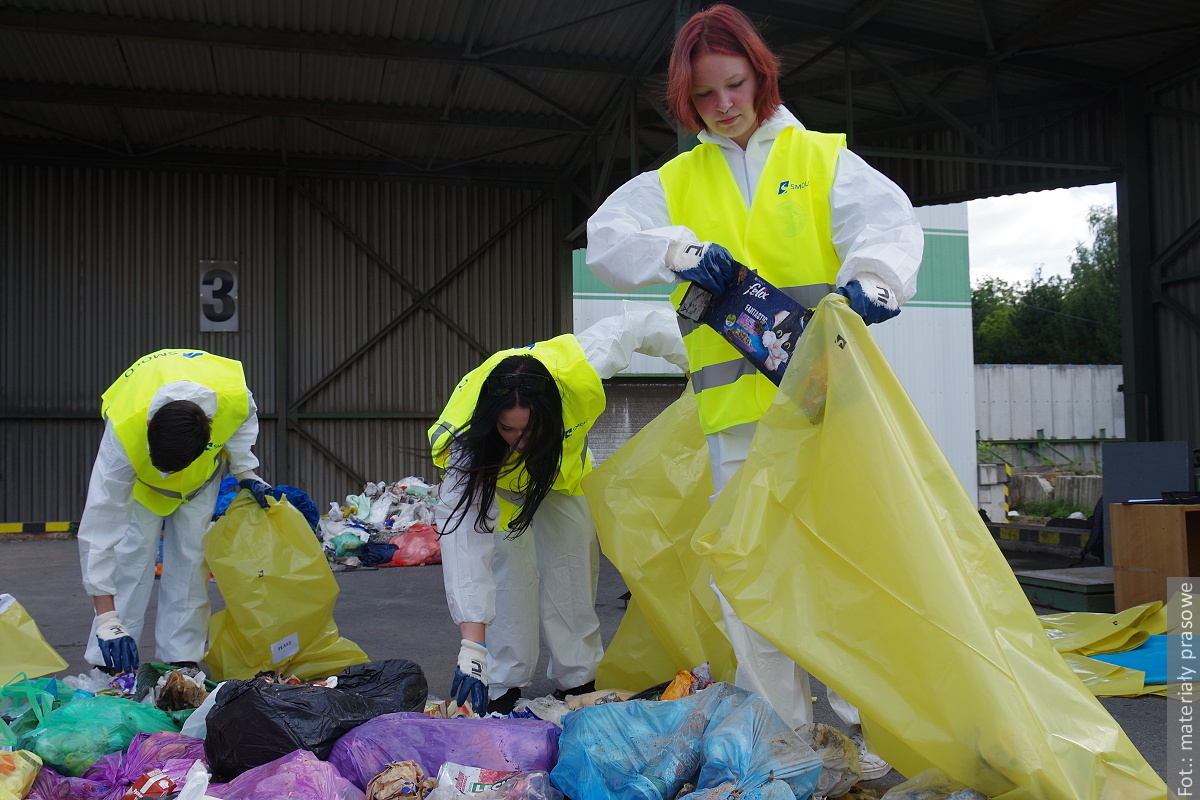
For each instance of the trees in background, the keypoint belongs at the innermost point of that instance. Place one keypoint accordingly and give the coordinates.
(1055, 321)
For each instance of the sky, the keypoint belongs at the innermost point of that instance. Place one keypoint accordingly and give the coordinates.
(1011, 236)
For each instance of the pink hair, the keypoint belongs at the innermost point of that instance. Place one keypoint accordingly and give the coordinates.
(720, 29)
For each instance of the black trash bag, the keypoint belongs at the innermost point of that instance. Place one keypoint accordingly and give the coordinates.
(255, 721)
(398, 684)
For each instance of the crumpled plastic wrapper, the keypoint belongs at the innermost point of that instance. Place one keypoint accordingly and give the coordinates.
(400, 779)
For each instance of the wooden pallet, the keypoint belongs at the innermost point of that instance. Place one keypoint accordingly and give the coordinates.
(1070, 589)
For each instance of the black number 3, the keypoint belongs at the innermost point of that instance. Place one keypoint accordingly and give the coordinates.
(220, 306)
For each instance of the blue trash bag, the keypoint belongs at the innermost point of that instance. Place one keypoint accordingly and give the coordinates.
(373, 555)
(722, 738)
(296, 496)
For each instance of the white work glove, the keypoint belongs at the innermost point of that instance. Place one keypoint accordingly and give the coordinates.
(470, 677)
(116, 645)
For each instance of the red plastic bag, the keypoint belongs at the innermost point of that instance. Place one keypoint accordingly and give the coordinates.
(418, 545)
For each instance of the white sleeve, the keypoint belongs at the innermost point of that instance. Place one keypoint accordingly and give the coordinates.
(107, 515)
(875, 229)
(242, 460)
(466, 558)
(644, 328)
(628, 236)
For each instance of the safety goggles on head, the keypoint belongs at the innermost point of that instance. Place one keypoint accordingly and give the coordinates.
(509, 382)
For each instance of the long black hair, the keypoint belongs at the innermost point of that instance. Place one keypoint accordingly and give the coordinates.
(481, 454)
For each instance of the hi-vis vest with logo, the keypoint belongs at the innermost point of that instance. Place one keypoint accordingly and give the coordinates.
(127, 402)
(784, 236)
(582, 400)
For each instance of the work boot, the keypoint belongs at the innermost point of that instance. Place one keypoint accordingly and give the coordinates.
(505, 703)
(587, 688)
(873, 767)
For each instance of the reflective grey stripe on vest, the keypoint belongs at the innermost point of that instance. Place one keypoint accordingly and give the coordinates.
(191, 495)
(808, 296)
(445, 427)
(725, 373)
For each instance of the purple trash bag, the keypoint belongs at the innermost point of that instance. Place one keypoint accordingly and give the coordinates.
(147, 751)
(510, 745)
(298, 774)
(111, 776)
(49, 785)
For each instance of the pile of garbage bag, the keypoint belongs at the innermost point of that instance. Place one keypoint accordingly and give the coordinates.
(388, 525)
(373, 732)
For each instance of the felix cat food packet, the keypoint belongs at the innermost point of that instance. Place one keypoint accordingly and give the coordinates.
(758, 319)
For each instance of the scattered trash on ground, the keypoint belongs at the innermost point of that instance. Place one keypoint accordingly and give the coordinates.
(388, 525)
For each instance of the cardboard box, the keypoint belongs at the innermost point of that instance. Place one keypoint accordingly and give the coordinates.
(758, 319)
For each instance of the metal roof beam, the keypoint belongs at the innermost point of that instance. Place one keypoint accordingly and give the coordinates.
(277, 107)
(871, 76)
(111, 26)
(964, 52)
(929, 102)
(975, 158)
(980, 112)
(239, 161)
(1053, 18)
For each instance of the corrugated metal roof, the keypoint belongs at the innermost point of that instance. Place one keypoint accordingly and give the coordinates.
(492, 71)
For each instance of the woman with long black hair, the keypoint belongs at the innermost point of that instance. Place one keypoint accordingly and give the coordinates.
(521, 555)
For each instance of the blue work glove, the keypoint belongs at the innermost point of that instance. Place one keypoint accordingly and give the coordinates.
(870, 299)
(116, 645)
(257, 488)
(470, 677)
(706, 264)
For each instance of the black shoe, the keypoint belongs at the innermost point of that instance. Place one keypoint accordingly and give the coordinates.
(505, 703)
(111, 672)
(587, 688)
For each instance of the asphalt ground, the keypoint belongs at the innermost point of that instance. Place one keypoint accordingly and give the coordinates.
(400, 612)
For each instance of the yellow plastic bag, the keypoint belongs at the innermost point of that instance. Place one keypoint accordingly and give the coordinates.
(17, 772)
(1088, 633)
(848, 541)
(1107, 680)
(279, 595)
(646, 500)
(22, 646)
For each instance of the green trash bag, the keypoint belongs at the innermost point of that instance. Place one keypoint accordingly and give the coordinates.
(25, 702)
(74, 736)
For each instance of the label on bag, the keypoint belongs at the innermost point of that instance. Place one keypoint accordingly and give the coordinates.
(285, 648)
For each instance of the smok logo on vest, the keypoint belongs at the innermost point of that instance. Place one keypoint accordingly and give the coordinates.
(786, 186)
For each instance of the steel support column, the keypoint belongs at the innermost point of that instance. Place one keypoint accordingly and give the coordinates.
(1134, 220)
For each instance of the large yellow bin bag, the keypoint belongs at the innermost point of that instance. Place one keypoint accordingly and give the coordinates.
(848, 542)
(646, 500)
(22, 647)
(279, 595)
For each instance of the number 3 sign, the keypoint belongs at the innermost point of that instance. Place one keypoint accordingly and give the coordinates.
(218, 296)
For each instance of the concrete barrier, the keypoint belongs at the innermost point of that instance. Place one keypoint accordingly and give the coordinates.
(1079, 490)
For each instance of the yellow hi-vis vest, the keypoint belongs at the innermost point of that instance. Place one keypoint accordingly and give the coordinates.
(784, 236)
(582, 401)
(127, 404)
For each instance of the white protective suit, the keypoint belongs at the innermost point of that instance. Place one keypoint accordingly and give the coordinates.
(874, 231)
(549, 572)
(118, 538)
